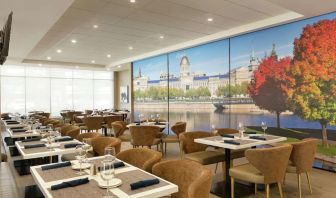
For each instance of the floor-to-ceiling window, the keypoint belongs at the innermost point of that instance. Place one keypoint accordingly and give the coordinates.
(52, 89)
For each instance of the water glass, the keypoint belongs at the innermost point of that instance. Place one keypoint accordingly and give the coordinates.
(109, 154)
(264, 127)
(80, 157)
(107, 174)
(241, 129)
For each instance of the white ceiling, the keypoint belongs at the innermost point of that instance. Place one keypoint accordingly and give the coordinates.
(122, 24)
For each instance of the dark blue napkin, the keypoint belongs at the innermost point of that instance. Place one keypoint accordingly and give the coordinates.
(72, 145)
(13, 122)
(250, 133)
(71, 183)
(18, 130)
(159, 123)
(34, 146)
(231, 142)
(63, 139)
(31, 139)
(58, 165)
(257, 138)
(227, 135)
(144, 183)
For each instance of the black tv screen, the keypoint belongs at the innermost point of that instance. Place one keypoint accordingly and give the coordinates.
(5, 38)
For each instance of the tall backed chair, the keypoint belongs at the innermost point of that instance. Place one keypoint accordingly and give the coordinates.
(177, 128)
(90, 135)
(64, 129)
(100, 143)
(119, 128)
(267, 166)
(302, 159)
(71, 114)
(109, 119)
(144, 135)
(92, 123)
(225, 131)
(73, 131)
(142, 158)
(193, 179)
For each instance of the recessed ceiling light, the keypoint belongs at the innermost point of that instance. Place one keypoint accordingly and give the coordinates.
(95, 26)
(93, 61)
(40, 64)
(210, 19)
(76, 66)
(130, 48)
(119, 66)
(108, 56)
(73, 41)
(108, 69)
(161, 37)
(133, 1)
(48, 58)
(59, 51)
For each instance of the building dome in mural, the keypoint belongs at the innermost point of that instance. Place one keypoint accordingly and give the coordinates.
(184, 66)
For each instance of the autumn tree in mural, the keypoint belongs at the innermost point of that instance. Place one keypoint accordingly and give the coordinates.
(312, 86)
(268, 87)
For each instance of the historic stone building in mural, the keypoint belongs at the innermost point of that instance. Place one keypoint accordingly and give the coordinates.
(190, 80)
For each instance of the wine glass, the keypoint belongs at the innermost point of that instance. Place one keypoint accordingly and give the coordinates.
(213, 129)
(152, 118)
(107, 174)
(264, 127)
(157, 118)
(241, 129)
(80, 157)
(109, 154)
(87, 145)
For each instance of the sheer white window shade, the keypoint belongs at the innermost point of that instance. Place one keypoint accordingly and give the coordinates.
(82, 94)
(61, 95)
(38, 71)
(12, 94)
(82, 74)
(37, 94)
(103, 75)
(103, 97)
(60, 73)
(11, 70)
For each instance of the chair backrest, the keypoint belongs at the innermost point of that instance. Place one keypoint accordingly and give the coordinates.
(143, 135)
(193, 179)
(109, 119)
(188, 144)
(179, 127)
(271, 162)
(100, 143)
(142, 158)
(93, 122)
(88, 112)
(73, 131)
(303, 154)
(224, 131)
(71, 114)
(64, 129)
(90, 135)
(118, 128)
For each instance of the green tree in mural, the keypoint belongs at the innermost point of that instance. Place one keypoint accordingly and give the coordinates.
(312, 87)
(203, 92)
(268, 87)
(223, 91)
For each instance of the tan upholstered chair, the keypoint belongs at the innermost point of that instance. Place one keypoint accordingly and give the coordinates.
(267, 166)
(143, 135)
(177, 128)
(90, 135)
(119, 128)
(71, 114)
(142, 158)
(73, 131)
(64, 129)
(197, 152)
(109, 119)
(302, 159)
(224, 131)
(100, 143)
(92, 123)
(193, 179)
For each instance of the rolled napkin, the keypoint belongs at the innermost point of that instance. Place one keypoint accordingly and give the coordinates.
(72, 145)
(257, 138)
(71, 183)
(13, 122)
(8, 121)
(231, 142)
(57, 165)
(250, 133)
(31, 139)
(18, 130)
(63, 139)
(115, 165)
(144, 183)
(34, 146)
(227, 135)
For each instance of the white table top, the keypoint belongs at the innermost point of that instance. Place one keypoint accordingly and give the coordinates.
(153, 193)
(47, 152)
(29, 133)
(162, 126)
(218, 141)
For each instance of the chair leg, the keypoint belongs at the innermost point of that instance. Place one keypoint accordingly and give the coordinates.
(216, 167)
(165, 145)
(284, 180)
(267, 190)
(255, 188)
(181, 151)
(280, 189)
(224, 170)
(309, 183)
(299, 184)
(232, 187)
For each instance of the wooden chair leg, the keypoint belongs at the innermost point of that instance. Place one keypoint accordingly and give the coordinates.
(284, 180)
(309, 183)
(299, 184)
(255, 188)
(280, 189)
(216, 167)
(224, 170)
(267, 190)
(165, 148)
(232, 187)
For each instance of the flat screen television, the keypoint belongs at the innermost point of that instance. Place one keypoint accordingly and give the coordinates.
(5, 38)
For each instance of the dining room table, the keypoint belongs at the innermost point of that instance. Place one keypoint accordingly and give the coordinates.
(234, 142)
(161, 125)
(128, 176)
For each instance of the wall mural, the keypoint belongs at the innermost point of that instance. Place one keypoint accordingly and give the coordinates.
(283, 76)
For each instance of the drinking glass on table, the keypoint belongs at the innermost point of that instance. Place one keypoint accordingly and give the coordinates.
(109, 154)
(80, 157)
(87, 145)
(241, 129)
(106, 172)
(157, 117)
(264, 127)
